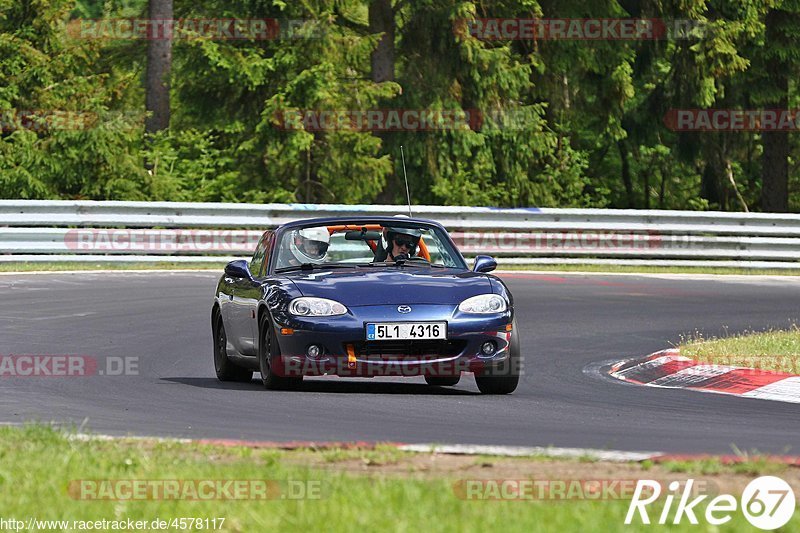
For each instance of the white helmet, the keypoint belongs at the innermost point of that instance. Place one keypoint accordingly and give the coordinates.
(310, 245)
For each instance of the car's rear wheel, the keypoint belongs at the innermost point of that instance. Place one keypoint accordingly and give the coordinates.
(225, 368)
(269, 353)
(442, 381)
(504, 378)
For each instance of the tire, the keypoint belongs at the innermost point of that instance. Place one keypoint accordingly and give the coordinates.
(226, 370)
(504, 378)
(269, 351)
(442, 381)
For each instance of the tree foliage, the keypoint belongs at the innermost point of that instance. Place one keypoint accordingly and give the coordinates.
(563, 123)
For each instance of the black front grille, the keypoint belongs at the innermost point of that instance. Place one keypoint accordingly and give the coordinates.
(400, 349)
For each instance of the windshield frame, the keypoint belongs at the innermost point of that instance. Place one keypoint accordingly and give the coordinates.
(403, 222)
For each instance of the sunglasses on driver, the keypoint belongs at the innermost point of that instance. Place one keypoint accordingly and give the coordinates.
(405, 242)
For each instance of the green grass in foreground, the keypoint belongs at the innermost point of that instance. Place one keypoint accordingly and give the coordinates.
(37, 465)
(755, 466)
(769, 350)
(60, 266)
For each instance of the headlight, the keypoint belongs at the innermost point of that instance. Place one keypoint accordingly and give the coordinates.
(306, 306)
(483, 304)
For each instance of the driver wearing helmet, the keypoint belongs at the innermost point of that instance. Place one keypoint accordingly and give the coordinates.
(309, 245)
(400, 243)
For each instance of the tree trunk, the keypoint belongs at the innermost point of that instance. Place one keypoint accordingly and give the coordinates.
(712, 181)
(775, 161)
(626, 173)
(710, 187)
(159, 62)
(775, 172)
(381, 20)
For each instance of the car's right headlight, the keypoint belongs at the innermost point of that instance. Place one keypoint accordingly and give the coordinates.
(483, 304)
(307, 306)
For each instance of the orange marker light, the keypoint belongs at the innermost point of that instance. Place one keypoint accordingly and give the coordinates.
(351, 356)
(508, 327)
(287, 331)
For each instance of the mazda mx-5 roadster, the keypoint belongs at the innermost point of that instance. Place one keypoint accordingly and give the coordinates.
(364, 297)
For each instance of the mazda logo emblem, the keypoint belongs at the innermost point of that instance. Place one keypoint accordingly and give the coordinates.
(403, 308)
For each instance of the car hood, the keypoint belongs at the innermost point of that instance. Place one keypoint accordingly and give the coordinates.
(392, 285)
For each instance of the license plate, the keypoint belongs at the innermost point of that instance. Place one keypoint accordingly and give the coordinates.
(406, 331)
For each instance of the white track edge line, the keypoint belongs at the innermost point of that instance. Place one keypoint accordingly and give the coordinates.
(447, 449)
(531, 451)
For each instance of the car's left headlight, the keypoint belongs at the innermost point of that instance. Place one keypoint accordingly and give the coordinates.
(306, 306)
(484, 304)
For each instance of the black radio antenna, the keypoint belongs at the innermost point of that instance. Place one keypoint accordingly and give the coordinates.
(405, 177)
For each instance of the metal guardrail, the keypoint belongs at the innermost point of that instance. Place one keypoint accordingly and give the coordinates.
(210, 232)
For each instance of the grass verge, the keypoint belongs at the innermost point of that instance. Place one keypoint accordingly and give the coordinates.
(777, 350)
(652, 269)
(386, 490)
(62, 266)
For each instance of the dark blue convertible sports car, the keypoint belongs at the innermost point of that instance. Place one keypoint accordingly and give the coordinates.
(364, 297)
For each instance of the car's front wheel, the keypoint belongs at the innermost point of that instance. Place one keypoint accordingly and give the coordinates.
(226, 370)
(269, 353)
(504, 378)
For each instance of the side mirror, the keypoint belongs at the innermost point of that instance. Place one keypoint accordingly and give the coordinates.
(238, 269)
(484, 263)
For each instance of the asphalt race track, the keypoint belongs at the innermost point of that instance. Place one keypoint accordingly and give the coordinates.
(569, 325)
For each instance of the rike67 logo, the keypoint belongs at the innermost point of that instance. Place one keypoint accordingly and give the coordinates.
(768, 502)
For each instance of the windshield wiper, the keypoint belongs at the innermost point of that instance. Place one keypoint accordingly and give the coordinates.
(416, 260)
(314, 266)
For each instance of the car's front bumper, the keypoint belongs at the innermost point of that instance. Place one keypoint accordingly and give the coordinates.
(346, 352)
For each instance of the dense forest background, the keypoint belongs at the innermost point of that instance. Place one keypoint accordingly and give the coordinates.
(588, 127)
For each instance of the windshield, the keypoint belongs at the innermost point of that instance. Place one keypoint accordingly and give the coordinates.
(372, 245)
